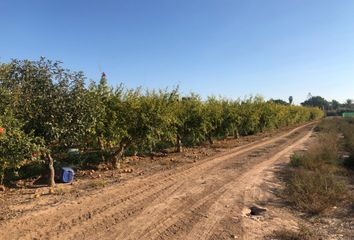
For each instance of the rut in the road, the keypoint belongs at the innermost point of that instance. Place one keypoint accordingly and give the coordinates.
(184, 203)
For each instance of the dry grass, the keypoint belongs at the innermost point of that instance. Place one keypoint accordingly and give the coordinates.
(314, 192)
(347, 128)
(322, 155)
(313, 185)
(303, 233)
(98, 183)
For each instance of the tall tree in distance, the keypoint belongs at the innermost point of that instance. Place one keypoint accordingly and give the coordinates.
(279, 101)
(291, 99)
(335, 105)
(309, 95)
(316, 101)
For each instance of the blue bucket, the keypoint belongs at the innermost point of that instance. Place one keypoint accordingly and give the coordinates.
(67, 175)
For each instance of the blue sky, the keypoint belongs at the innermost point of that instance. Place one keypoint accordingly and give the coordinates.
(231, 48)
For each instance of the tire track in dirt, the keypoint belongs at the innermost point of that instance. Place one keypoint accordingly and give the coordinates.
(164, 220)
(172, 209)
(153, 207)
(247, 181)
(212, 208)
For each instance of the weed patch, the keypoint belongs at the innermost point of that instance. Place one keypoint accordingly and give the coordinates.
(304, 233)
(314, 184)
(314, 192)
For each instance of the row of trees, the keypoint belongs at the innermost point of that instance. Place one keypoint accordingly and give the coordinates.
(334, 105)
(47, 109)
(282, 102)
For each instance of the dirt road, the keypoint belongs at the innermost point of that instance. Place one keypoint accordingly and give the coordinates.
(203, 200)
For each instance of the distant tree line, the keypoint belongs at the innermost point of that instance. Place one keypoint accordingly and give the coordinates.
(47, 109)
(333, 107)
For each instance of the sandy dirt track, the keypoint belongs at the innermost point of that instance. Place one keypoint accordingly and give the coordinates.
(203, 200)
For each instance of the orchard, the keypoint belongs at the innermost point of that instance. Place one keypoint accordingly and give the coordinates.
(48, 109)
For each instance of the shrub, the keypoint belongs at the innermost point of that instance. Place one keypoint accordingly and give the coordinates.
(314, 192)
(327, 125)
(16, 148)
(304, 233)
(349, 162)
(297, 161)
(314, 184)
(347, 129)
(323, 154)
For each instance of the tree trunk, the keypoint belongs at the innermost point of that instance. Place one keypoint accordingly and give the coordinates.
(50, 161)
(1, 179)
(2, 174)
(134, 149)
(179, 144)
(236, 134)
(101, 145)
(117, 156)
(210, 139)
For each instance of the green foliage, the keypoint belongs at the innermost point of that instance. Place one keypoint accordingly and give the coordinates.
(279, 101)
(48, 99)
(190, 119)
(53, 104)
(316, 101)
(335, 104)
(16, 147)
(297, 161)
